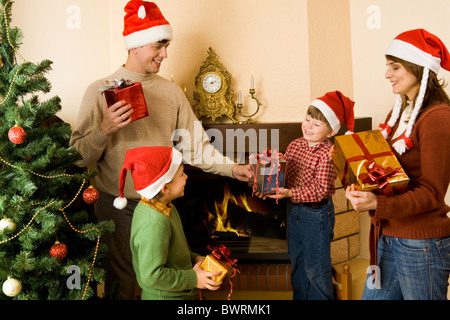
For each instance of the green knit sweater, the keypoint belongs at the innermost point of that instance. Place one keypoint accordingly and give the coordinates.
(162, 259)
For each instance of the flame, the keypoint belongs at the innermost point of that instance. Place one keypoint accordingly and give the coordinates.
(222, 223)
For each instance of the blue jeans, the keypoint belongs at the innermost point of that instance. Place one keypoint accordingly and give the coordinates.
(310, 231)
(410, 270)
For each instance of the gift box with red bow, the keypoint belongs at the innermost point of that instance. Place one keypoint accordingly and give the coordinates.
(131, 92)
(268, 170)
(366, 160)
(219, 261)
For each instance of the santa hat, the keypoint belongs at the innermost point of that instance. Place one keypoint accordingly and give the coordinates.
(151, 168)
(424, 49)
(144, 24)
(337, 109)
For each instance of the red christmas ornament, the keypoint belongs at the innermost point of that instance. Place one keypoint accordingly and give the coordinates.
(90, 195)
(17, 135)
(58, 250)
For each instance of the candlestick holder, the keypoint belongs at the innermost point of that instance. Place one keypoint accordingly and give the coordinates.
(240, 106)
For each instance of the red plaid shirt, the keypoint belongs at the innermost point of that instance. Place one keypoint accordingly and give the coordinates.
(309, 174)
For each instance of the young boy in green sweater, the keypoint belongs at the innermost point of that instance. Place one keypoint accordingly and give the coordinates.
(165, 267)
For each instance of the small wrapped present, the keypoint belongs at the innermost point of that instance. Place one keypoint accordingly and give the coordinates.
(268, 170)
(132, 93)
(366, 160)
(220, 261)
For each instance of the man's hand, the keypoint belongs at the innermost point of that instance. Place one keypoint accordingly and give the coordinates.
(242, 172)
(115, 118)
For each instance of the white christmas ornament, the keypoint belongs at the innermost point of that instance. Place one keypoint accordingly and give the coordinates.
(12, 287)
(7, 223)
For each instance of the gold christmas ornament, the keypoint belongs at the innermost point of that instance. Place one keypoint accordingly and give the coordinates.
(12, 287)
(7, 224)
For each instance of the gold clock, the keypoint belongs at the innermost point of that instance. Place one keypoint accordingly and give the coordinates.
(213, 98)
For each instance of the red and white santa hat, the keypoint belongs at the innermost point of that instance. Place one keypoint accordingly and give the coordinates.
(420, 47)
(151, 168)
(144, 24)
(337, 109)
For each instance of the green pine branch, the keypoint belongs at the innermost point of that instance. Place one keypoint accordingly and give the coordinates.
(40, 188)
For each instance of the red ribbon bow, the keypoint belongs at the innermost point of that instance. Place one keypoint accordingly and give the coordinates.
(407, 140)
(222, 253)
(379, 174)
(385, 126)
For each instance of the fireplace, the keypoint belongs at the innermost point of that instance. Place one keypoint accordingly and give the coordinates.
(218, 210)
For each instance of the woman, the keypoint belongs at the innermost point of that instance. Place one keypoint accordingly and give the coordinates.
(410, 232)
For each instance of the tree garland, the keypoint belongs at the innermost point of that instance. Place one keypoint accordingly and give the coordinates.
(64, 214)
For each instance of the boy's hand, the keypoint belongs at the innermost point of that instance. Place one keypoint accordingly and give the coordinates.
(332, 152)
(204, 278)
(282, 193)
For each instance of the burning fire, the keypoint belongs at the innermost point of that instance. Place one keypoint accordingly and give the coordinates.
(221, 218)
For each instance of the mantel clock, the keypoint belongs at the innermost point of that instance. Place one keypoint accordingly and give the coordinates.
(213, 98)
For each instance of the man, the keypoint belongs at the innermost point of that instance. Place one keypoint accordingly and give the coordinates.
(103, 134)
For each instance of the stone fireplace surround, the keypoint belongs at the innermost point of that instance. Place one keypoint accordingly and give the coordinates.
(271, 270)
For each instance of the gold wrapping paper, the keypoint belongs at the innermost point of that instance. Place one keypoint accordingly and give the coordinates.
(211, 264)
(353, 152)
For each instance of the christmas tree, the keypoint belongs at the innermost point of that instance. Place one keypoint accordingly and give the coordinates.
(50, 242)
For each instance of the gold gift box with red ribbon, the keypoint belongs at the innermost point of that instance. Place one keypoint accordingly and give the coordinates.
(219, 261)
(366, 160)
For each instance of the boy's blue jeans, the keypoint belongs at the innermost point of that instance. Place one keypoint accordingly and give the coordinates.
(310, 231)
(410, 269)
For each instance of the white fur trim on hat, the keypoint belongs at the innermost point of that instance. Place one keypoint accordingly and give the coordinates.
(147, 36)
(411, 53)
(328, 113)
(153, 189)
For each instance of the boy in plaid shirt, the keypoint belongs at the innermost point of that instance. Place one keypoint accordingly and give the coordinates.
(310, 179)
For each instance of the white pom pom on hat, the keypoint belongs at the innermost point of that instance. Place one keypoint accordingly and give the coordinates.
(144, 24)
(151, 168)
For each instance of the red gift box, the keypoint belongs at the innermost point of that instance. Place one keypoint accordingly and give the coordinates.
(132, 93)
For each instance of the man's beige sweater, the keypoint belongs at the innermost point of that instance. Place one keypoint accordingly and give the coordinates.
(169, 110)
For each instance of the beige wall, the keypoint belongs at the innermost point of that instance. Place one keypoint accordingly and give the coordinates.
(266, 37)
(297, 49)
(374, 25)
